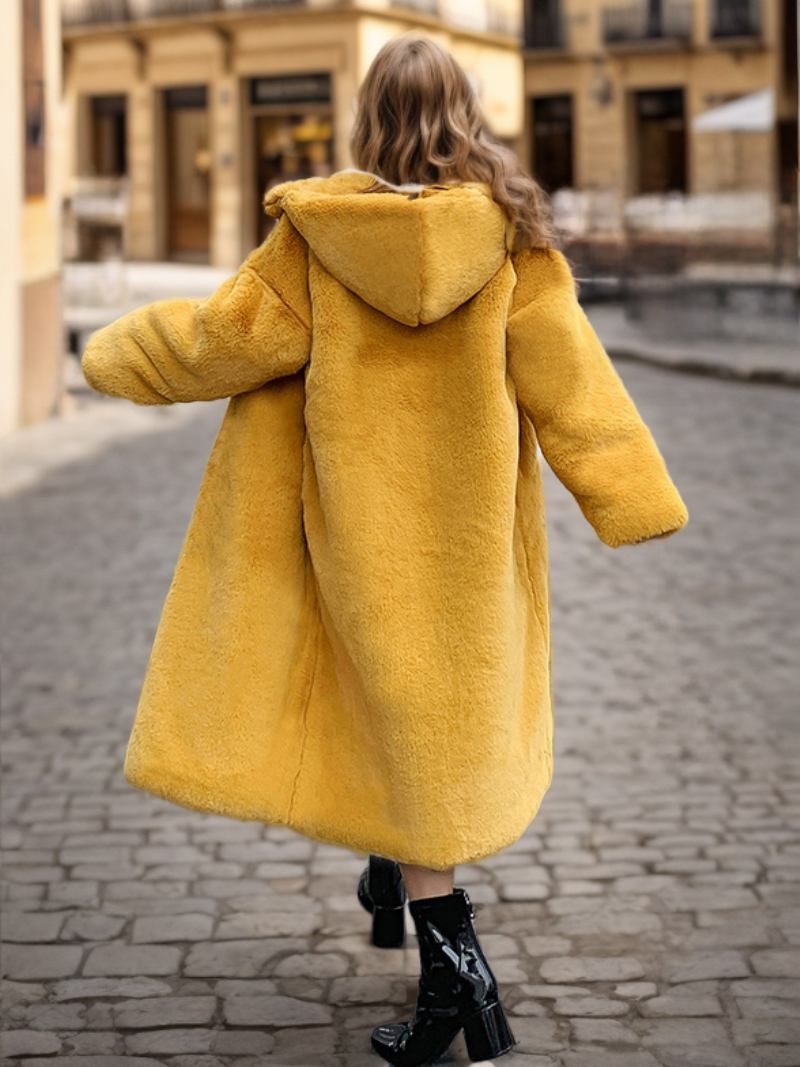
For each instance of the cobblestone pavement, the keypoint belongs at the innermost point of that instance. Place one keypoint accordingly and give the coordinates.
(649, 918)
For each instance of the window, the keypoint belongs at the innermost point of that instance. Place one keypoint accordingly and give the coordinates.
(33, 98)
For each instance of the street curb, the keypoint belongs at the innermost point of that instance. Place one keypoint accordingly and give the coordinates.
(709, 369)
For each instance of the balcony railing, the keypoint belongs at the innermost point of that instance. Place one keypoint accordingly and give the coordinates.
(545, 27)
(93, 12)
(648, 21)
(736, 18)
(426, 7)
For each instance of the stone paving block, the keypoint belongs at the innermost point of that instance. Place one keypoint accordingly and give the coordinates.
(237, 959)
(676, 1004)
(777, 963)
(168, 1042)
(149, 906)
(249, 987)
(546, 946)
(242, 1043)
(40, 961)
(538, 1035)
(296, 1046)
(311, 964)
(94, 854)
(766, 1031)
(591, 969)
(266, 1010)
(769, 1008)
(91, 1043)
(163, 1011)
(519, 890)
(81, 894)
(615, 924)
(33, 874)
(605, 1031)
(117, 959)
(139, 890)
(367, 990)
(92, 926)
(688, 898)
(97, 1061)
(22, 926)
(239, 925)
(55, 1016)
(723, 1055)
(701, 965)
(28, 1043)
(636, 990)
(589, 1006)
(553, 990)
(595, 1056)
(507, 971)
(91, 988)
(186, 927)
(773, 1056)
(672, 1033)
(767, 987)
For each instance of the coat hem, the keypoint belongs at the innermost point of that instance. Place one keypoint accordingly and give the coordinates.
(177, 791)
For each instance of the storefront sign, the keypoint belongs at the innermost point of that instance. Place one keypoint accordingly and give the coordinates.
(291, 89)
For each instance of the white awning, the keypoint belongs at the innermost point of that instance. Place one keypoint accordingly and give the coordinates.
(755, 111)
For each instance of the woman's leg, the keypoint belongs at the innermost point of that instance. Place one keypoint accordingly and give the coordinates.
(424, 882)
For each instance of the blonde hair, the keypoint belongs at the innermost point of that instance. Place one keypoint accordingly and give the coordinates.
(419, 120)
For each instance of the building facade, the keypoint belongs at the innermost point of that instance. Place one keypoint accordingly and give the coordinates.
(181, 113)
(613, 91)
(31, 358)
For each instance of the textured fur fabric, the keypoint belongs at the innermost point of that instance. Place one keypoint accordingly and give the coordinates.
(356, 639)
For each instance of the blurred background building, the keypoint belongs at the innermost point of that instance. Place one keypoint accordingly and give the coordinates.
(673, 120)
(32, 354)
(146, 132)
(182, 112)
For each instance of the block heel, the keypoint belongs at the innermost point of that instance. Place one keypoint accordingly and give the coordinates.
(382, 893)
(388, 927)
(487, 1034)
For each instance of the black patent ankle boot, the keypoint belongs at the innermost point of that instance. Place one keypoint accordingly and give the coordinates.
(383, 894)
(457, 990)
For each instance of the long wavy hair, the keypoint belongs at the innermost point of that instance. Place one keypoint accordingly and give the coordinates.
(418, 120)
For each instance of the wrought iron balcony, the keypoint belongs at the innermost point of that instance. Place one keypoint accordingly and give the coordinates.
(426, 7)
(545, 26)
(648, 21)
(736, 18)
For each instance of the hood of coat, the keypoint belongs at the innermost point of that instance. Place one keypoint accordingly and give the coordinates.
(416, 252)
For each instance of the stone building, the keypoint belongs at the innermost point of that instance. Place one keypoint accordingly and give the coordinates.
(31, 357)
(180, 113)
(614, 91)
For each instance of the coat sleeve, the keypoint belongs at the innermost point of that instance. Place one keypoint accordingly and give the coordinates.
(588, 427)
(255, 327)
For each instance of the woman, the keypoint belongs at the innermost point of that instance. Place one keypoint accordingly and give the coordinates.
(356, 639)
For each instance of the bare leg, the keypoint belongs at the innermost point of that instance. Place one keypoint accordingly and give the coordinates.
(424, 882)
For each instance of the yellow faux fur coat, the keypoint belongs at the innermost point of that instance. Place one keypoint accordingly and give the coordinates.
(355, 642)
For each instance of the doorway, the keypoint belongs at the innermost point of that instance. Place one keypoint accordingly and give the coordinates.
(660, 141)
(551, 119)
(187, 174)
